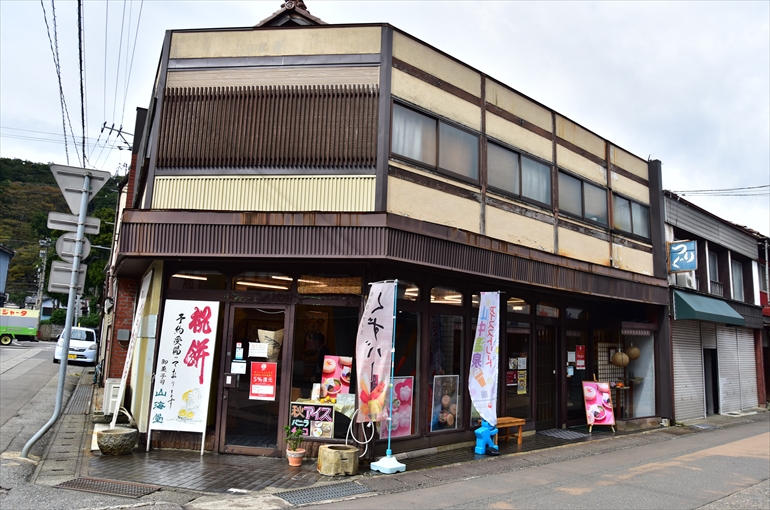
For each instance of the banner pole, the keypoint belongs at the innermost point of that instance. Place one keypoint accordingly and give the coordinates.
(389, 452)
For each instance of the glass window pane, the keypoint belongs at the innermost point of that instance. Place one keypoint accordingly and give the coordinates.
(517, 389)
(447, 387)
(535, 180)
(595, 203)
(737, 280)
(445, 296)
(316, 284)
(641, 215)
(189, 280)
(406, 403)
(517, 305)
(408, 291)
(414, 135)
(639, 401)
(570, 196)
(621, 214)
(458, 151)
(253, 281)
(548, 310)
(713, 267)
(503, 169)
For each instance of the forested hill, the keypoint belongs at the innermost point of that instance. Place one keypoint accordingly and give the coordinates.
(28, 192)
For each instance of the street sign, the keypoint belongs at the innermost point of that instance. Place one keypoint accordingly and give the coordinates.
(61, 273)
(682, 256)
(69, 223)
(66, 244)
(70, 180)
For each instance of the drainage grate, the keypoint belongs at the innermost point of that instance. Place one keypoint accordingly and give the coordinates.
(334, 491)
(111, 487)
(80, 401)
(562, 434)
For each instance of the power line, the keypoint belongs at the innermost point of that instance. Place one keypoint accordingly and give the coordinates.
(131, 66)
(81, 49)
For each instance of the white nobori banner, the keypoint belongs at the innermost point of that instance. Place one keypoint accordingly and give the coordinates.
(482, 378)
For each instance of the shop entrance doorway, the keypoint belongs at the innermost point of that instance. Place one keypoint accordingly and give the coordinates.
(252, 408)
(547, 394)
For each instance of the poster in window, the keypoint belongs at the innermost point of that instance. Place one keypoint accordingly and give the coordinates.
(512, 378)
(580, 357)
(263, 380)
(401, 420)
(446, 407)
(523, 363)
(522, 389)
(336, 374)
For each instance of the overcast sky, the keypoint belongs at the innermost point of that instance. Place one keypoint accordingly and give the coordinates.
(687, 83)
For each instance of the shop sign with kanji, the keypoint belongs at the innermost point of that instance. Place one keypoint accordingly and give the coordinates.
(180, 393)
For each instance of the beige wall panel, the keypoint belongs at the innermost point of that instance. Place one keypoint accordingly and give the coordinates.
(436, 100)
(275, 76)
(565, 158)
(427, 204)
(630, 188)
(630, 259)
(628, 161)
(581, 137)
(266, 193)
(429, 60)
(517, 136)
(582, 247)
(266, 43)
(518, 229)
(511, 102)
(434, 176)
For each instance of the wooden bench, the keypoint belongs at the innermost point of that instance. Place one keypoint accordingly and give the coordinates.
(506, 423)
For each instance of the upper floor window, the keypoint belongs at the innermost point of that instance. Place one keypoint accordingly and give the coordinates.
(762, 277)
(512, 173)
(548, 310)
(446, 296)
(254, 281)
(737, 269)
(630, 217)
(581, 199)
(517, 305)
(435, 143)
(715, 285)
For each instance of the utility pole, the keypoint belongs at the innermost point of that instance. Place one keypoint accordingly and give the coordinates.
(44, 243)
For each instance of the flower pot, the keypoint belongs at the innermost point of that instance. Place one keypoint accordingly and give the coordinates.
(295, 456)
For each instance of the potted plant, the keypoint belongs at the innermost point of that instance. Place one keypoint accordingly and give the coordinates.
(293, 452)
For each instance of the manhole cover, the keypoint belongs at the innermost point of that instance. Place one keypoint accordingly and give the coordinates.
(334, 491)
(111, 487)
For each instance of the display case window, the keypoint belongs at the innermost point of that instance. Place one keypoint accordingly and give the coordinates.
(548, 310)
(517, 367)
(408, 291)
(317, 284)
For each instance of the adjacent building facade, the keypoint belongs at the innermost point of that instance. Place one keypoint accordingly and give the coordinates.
(717, 322)
(284, 167)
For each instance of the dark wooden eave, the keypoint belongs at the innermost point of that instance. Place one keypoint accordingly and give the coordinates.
(194, 235)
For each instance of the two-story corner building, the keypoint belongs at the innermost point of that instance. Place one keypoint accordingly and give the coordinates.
(285, 166)
(716, 311)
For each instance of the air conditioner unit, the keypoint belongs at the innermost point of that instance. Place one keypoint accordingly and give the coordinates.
(686, 280)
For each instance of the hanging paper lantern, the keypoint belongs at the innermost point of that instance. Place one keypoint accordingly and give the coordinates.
(619, 359)
(633, 352)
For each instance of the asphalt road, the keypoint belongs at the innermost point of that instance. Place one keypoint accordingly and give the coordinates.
(726, 468)
(24, 370)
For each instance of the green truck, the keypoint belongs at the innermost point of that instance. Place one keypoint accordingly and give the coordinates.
(18, 324)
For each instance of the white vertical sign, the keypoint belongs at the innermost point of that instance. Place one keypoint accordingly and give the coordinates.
(482, 379)
(188, 339)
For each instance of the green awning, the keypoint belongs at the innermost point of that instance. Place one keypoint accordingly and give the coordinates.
(702, 308)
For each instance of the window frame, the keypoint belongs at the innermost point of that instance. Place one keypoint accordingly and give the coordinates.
(582, 216)
(631, 218)
(520, 155)
(438, 121)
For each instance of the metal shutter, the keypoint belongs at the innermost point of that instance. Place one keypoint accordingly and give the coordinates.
(708, 334)
(729, 370)
(748, 366)
(688, 371)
